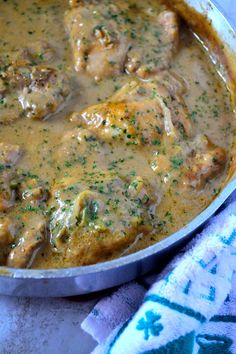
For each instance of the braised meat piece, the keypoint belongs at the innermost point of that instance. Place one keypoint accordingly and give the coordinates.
(139, 113)
(91, 220)
(31, 83)
(7, 236)
(164, 37)
(98, 46)
(205, 162)
(192, 163)
(27, 247)
(108, 38)
(9, 155)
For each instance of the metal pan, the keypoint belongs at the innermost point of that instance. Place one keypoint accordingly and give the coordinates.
(86, 279)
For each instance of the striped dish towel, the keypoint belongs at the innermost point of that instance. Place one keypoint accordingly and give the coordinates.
(189, 308)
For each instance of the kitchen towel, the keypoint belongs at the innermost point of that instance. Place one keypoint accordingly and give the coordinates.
(189, 308)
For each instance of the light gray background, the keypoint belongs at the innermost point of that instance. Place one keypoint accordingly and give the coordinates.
(52, 326)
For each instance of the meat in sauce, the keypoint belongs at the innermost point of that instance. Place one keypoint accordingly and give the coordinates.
(116, 129)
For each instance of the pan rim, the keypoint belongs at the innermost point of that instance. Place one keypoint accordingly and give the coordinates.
(162, 245)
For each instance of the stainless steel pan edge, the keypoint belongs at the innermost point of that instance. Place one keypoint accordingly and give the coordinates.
(82, 280)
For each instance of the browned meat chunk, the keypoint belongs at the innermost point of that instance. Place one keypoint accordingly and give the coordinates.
(7, 231)
(28, 245)
(205, 162)
(7, 236)
(104, 46)
(91, 222)
(9, 154)
(164, 38)
(194, 162)
(140, 113)
(7, 193)
(99, 49)
(31, 83)
(45, 94)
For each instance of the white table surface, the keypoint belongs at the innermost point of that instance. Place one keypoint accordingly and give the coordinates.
(52, 326)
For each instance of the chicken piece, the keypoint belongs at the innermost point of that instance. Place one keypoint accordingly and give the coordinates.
(31, 83)
(7, 232)
(91, 220)
(7, 236)
(205, 162)
(194, 162)
(109, 38)
(171, 88)
(139, 113)
(7, 193)
(100, 49)
(33, 239)
(162, 41)
(45, 94)
(132, 115)
(9, 155)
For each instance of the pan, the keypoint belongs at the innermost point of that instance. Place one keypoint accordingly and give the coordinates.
(92, 278)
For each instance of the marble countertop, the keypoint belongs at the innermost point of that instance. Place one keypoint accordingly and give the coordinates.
(44, 326)
(48, 326)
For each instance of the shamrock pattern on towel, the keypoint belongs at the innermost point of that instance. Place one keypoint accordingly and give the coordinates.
(150, 325)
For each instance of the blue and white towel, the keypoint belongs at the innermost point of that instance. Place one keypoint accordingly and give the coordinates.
(189, 308)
